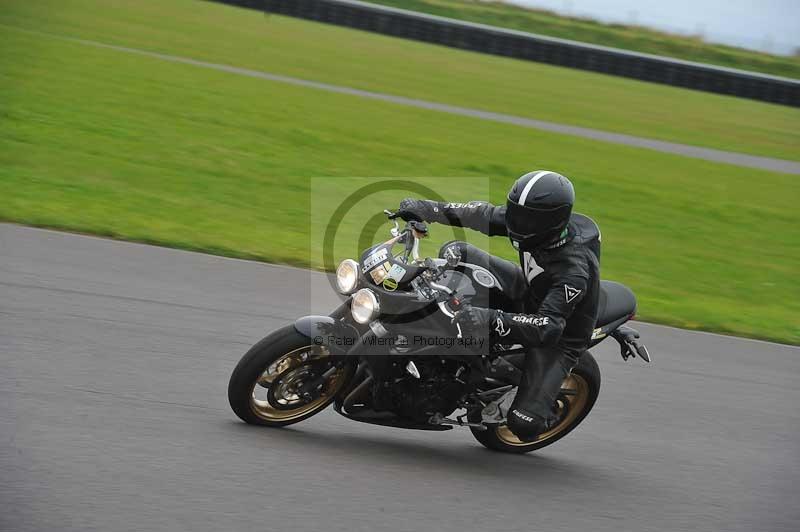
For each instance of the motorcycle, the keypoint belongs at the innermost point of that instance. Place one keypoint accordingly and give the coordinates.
(391, 355)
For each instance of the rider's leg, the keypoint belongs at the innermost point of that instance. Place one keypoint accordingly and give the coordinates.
(544, 372)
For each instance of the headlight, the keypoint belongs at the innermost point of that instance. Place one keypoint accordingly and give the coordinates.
(347, 276)
(365, 306)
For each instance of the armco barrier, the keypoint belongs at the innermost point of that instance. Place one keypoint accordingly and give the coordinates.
(533, 47)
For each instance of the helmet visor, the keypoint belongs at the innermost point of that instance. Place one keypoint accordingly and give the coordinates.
(528, 221)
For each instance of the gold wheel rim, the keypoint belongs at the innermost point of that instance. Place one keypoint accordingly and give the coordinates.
(577, 399)
(294, 361)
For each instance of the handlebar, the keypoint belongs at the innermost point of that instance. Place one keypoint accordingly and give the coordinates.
(416, 229)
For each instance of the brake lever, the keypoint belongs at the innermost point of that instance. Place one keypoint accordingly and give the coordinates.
(456, 305)
(458, 326)
(395, 231)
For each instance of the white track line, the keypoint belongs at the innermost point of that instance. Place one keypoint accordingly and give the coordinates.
(709, 154)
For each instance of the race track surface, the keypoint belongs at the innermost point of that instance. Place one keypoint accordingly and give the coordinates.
(114, 363)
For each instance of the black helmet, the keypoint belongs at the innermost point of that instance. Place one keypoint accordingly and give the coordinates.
(538, 209)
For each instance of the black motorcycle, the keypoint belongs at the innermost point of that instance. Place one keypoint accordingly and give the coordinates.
(391, 355)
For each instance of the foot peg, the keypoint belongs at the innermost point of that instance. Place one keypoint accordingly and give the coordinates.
(439, 419)
(629, 344)
(496, 411)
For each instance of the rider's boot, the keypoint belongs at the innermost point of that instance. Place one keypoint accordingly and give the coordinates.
(527, 426)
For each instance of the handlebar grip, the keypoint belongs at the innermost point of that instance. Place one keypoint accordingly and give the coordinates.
(419, 226)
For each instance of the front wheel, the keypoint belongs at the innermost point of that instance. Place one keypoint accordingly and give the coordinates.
(578, 395)
(267, 386)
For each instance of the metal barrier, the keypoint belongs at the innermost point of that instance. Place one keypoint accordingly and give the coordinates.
(533, 47)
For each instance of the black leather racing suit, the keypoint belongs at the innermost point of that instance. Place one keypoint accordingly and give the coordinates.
(556, 293)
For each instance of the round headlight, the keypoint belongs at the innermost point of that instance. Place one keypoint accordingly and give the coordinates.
(365, 306)
(347, 276)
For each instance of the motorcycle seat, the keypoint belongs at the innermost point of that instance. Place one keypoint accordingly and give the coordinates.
(616, 302)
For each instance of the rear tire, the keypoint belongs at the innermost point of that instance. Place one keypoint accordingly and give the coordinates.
(281, 360)
(585, 383)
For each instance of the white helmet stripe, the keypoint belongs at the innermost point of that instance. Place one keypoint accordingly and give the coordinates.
(529, 185)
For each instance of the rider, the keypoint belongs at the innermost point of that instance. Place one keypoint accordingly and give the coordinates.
(556, 288)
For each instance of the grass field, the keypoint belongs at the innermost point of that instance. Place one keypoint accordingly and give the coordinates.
(104, 142)
(247, 38)
(624, 36)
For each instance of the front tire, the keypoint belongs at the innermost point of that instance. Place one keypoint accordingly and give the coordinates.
(262, 388)
(579, 393)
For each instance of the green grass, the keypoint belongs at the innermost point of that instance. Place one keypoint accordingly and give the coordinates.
(320, 52)
(637, 38)
(104, 142)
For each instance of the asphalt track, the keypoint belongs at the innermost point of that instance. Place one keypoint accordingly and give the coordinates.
(709, 154)
(114, 362)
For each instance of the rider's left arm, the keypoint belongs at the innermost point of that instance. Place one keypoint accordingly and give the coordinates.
(477, 215)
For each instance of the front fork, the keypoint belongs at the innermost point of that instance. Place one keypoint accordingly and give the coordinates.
(336, 335)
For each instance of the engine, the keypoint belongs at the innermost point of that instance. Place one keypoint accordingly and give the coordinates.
(441, 383)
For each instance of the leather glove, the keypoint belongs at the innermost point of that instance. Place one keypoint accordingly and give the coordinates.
(419, 210)
(475, 319)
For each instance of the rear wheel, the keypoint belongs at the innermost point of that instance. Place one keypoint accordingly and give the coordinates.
(578, 395)
(267, 386)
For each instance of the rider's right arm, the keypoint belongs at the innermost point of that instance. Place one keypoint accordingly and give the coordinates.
(545, 327)
(477, 215)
